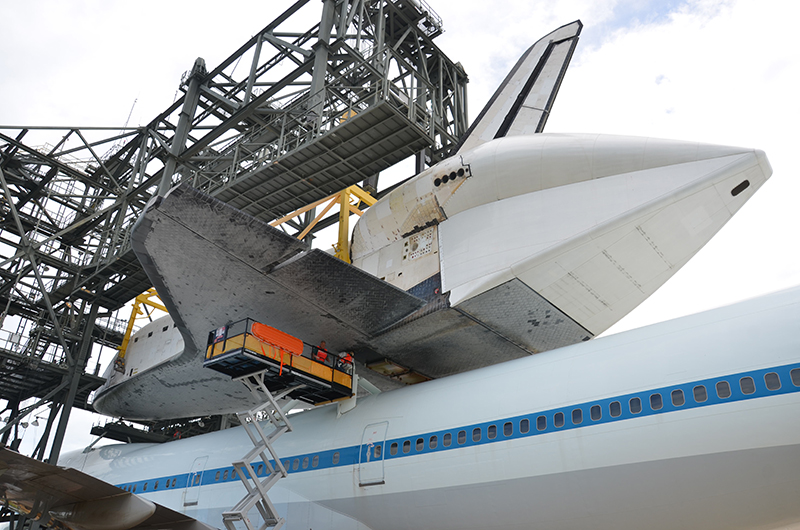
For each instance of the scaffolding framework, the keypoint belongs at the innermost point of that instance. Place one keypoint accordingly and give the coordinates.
(316, 110)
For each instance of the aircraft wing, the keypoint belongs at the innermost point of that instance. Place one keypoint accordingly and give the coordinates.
(68, 498)
(212, 265)
(522, 103)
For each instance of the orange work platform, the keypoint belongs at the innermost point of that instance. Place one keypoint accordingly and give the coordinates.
(247, 347)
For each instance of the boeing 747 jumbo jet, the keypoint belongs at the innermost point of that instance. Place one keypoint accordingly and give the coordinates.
(691, 423)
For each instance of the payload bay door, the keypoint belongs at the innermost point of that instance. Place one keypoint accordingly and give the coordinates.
(370, 455)
(192, 491)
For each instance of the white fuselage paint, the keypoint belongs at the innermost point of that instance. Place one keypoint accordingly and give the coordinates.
(724, 463)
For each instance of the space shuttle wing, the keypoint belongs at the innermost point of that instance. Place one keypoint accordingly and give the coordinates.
(522, 103)
(67, 498)
(212, 264)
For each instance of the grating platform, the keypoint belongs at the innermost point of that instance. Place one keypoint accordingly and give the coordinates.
(248, 347)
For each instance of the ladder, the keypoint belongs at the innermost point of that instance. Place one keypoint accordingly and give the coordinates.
(262, 449)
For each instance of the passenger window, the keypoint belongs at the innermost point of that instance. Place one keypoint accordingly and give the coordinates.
(225, 475)
(393, 449)
(655, 402)
(166, 484)
(145, 487)
(216, 477)
(773, 381)
(314, 462)
(558, 419)
(447, 439)
(476, 434)
(541, 423)
(700, 394)
(635, 404)
(420, 444)
(491, 432)
(258, 469)
(155, 486)
(595, 412)
(723, 389)
(524, 426)
(288, 465)
(508, 428)
(165, 328)
(795, 376)
(295, 464)
(615, 409)
(378, 450)
(335, 458)
(407, 446)
(305, 458)
(150, 334)
(462, 437)
(134, 488)
(677, 398)
(433, 442)
(747, 385)
(173, 482)
(577, 416)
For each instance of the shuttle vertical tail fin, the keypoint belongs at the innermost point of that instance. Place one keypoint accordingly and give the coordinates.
(523, 101)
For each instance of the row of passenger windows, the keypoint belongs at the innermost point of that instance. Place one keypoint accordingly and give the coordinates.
(165, 328)
(461, 438)
(167, 484)
(656, 402)
(290, 465)
(700, 394)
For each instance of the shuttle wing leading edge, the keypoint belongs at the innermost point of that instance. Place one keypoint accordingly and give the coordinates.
(522, 103)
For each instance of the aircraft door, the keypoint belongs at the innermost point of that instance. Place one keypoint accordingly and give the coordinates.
(192, 491)
(370, 455)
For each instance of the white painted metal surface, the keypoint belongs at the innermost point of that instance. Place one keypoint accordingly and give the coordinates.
(723, 464)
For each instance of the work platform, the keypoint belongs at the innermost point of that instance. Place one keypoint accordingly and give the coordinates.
(28, 378)
(247, 347)
(362, 145)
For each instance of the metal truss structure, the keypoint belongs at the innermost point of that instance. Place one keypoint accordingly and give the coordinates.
(313, 112)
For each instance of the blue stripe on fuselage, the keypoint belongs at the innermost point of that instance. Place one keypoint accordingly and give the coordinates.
(349, 456)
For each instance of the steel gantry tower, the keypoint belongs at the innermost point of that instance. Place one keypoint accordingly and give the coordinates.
(317, 110)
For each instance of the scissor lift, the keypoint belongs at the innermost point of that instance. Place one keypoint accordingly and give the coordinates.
(273, 365)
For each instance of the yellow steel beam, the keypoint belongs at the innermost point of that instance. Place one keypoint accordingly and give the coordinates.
(343, 246)
(318, 218)
(146, 298)
(342, 198)
(362, 195)
(300, 211)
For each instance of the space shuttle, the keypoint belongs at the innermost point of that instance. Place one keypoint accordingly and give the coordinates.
(522, 242)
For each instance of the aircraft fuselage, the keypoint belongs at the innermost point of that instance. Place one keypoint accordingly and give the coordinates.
(686, 424)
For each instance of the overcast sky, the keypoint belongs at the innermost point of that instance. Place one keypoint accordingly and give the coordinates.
(724, 72)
